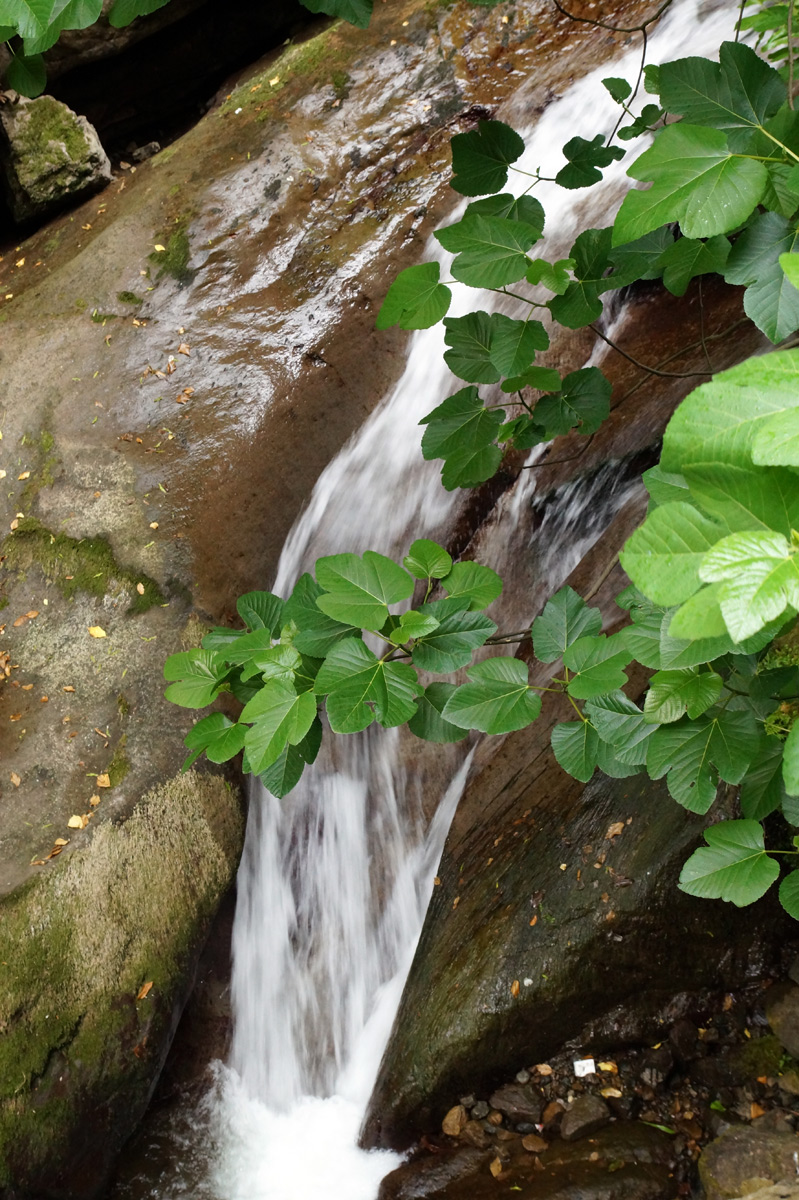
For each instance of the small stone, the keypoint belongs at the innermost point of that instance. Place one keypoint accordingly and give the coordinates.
(789, 1083)
(468, 1101)
(782, 1013)
(454, 1121)
(553, 1113)
(584, 1116)
(480, 1110)
(475, 1135)
(525, 1127)
(523, 1077)
(776, 1120)
(518, 1102)
(507, 1135)
(744, 1159)
(494, 1117)
(534, 1143)
(684, 1040)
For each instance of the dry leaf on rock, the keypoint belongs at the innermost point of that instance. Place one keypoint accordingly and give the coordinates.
(15, 779)
(615, 829)
(97, 631)
(28, 616)
(94, 801)
(76, 822)
(103, 781)
(140, 588)
(184, 349)
(144, 990)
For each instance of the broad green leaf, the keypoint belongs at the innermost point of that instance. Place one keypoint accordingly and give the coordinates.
(480, 159)
(610, 763)
(416, 299)
(543, 379)
(566, 617)
(770, 299)
(77, 14)
(273, 662)
(696, 180)
(782, 193)
(789, 261)
(413, 625)
(247, 647)
(427, 722)
(7, 31)
(357, 12)
(598, 664)
(452, 644)
(672, 694)
(640, 259)
(643, 638)
(621, 724)
(664, 487)
(687, 258)
(554, 276)
(218, 736)
(580, 303)
(27, 74)
(663, 556)
(735, 95)
(497, 698)
(514, 343)
(284, 773)
(645, 121)
(679, 652)
(619, 89)
(733, 866)
(777, 441)
(584, 160)
(220, 638)
(29, 18)
(473, 582)
(427, 560)
(462, 432)
(693, 754)
(575, 745)
(261, 610)
(760, 579)
(125, 11)
(789, 894)
(517, 208)
(747, 497)
(360, 688)
(700, 617)
(790, 762)
(762, 789)
(358, 590)
(584, 401)
(278, 717)
(491, 251)
(316, 634)
(198, 675)
(483, 347)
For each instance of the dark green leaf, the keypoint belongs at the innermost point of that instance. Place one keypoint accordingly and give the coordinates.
(357, 12)
(621, 724)
(688, 258)
(543, 379)
(77, 14)
(416, 299)
(462, 432)
(566, 617)
(789, 894)
(452, 644)
(480, 159)
(491, 251)
(427, 722)
(580, 304)
(762, 790)
(27, 75)
(284, 773)
(497, 698)
(316, 634)
(673, 693)
(279, 717)
(733, 866)
(583, 402)
(598, 664)
(640, 259)
(124, 11)
(260, 610)
(585, 160)
(694, 753)
(770, 300)
(360, 688)
(483, 347)
(575, 745)
(554, 276)
(218, 736)
(619, 89)
(516, 208)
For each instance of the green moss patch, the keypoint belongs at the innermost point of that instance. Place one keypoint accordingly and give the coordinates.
(129, 298)
(77, 564)
(174, 260)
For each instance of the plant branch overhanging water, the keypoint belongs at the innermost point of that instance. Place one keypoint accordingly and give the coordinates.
(714, 596)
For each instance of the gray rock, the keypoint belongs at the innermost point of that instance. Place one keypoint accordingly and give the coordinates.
(49, 156)
(782, 1011)
(430, 1176)
(744, 1159)
(776, 1120)
(523, 1077)
(776, 1191)
(518, 1102)
(584, 1115)
(480, 1110)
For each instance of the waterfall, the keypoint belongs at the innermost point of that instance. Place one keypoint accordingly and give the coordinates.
(335, 878)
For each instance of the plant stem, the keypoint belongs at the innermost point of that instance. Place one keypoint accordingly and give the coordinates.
(643, 366)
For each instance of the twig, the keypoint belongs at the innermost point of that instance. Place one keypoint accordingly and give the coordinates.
(643, 366)
(702, 338)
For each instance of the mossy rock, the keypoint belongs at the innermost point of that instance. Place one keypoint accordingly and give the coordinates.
(97, 955)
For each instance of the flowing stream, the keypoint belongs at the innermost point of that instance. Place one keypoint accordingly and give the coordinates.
(335, 879)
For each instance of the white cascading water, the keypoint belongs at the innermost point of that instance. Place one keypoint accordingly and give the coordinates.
(335, 879)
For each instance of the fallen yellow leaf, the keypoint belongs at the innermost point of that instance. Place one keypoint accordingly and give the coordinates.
(24, 475)
(610, 1091)
(144, 990)
(62, 842)
(615, 829)
(140, 588)
(184, 349)
(159, 248)
(97, 631)
(153, 524)
(15, 779)
(103, 781)
(94, 801)
(76, 822)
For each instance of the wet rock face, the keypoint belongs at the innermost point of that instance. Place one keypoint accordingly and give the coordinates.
(49, 156)
(782, 1013)
(743, 1161)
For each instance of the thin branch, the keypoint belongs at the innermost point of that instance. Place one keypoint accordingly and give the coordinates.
(555, 462)
(702, 337)
(614, 28)
(790, 53)
(740, 18)
(644, 367)
(710, 337)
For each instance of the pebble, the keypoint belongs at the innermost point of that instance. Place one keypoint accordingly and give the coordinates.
(475, 1135)
(468, 1101)
(454, 1121)
(480, 1110)
(494, 1117)
(523, 1077)
(587, 1114)
(519, 1102)
(534, 1143)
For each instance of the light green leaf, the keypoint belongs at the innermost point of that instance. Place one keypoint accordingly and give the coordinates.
(473, 582)
(598, 663)
(663, 556)
(700, 618)
(27, 75)
(746, 497)
(29, 18)
(760, 579)
(584, 402)
(696, 180)
(462, 432)
(416, 299)
(427, 560)
(688, 258)
(427, 722)
(316, 633)
(733, 866)
(497, 698)
(357, 12)
(218, 736)
(360, 688)
(664, 487)
(412, 625)
(491, 251)
(279, 718)
(260, 610)
(789, 894)
(673, 693)
(452, 644)
(621, 724)
(770, 299)
(198, 675)
(790, 264)
(790, 762)
(274, 662)
(566, 617)
(358, 590)
(77, 14)
(480, 159)
(575, 745)
(247, 647)
(776, 443)
(125, 11)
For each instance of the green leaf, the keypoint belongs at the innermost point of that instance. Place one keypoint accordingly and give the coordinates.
(125, 11)
(789, 261)
(29, 18)
(693, 754)
(497, 698)
(663, 556)
(416, 299)
(789, 894)
(220, 638)
(543, 379)
(458, 634)
(198, 675)
(611, 764)
(260, 610)
(357, 12)
(687, 258)
(580, 304)
(284, 773)
(483, 347)
(760, 579)
(218, 736)
(462, 432)
(480, 159)
(770, 299)
(316, 634)
(619, 89)
(640, 259)
(584, 160)
(27, 74)
(663, 487)
(427, 560)
(247, 647)
(646, 120)
(566, 617)
(412, 625)
(673, 693)
(575, 745)
(473, 582)
(280, 717)
(699, 618)
(790, 762)
(427, 722)
(273, 662)
(554, 276)
(491, 251)
(360, 688)
(517, 208)
(358, 590)
(77, 14)
(782, 192)
(598, 663)
(777, 441)
(762, 790)
(621, 724)
(696, 180)
(733, 866)
(584, 402)
(746, 497)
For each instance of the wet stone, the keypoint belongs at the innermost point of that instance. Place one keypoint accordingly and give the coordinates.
(518, 1102)
(744, 1159)
(782, 1012)
(523, 1077)
(431, 1176)
(584, 1116)
(468, 1101)
(480, 1110)
(776, 1120)
(454, 1121)
(684, 1040)
(475, 1135)
(534, 1143)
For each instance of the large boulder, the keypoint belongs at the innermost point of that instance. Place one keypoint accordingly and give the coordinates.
(746, 1161)
(49, 156)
